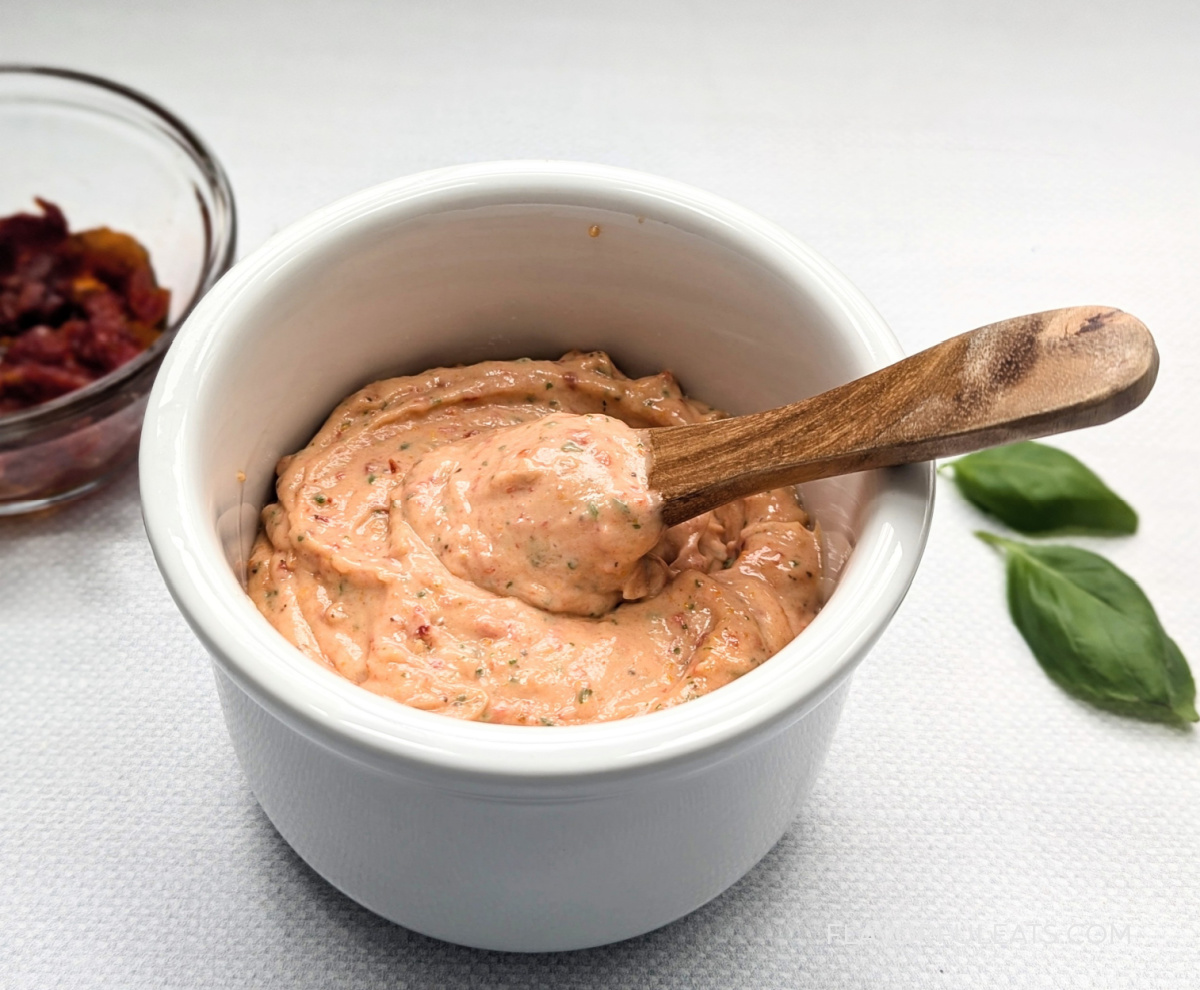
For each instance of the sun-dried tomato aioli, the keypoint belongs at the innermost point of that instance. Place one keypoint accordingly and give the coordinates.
(73, 307)
(557, 511)
(342, 571)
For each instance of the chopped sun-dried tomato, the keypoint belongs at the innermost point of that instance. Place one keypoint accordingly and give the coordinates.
(73, 307)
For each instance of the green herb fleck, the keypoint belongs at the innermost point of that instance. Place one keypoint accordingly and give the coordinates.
(584, 694)
(320, 499)
(571, 447)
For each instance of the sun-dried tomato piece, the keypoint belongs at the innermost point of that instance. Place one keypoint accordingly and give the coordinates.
(73, 307)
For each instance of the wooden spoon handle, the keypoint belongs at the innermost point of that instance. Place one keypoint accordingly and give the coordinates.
(1026, 377)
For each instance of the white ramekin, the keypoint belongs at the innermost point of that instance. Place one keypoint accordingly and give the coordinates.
(497, 836)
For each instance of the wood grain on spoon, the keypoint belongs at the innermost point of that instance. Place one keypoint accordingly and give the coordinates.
(1023, 378)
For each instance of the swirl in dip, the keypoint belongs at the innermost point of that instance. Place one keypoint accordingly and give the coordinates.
(481, 542)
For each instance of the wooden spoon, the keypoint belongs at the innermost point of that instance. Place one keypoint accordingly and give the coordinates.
(1025, 377)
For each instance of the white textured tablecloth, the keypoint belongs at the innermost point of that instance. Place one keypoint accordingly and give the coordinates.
(961, 165)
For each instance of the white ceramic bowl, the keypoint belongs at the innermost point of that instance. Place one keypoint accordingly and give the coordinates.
(507, 837)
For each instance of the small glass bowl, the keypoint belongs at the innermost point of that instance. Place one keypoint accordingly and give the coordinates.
(109, 157)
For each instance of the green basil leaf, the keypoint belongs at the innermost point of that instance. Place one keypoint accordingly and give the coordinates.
(1034, 488)
(1094, 631)
(1183, 687)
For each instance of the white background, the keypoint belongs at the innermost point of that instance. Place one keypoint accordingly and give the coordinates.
(961, 163)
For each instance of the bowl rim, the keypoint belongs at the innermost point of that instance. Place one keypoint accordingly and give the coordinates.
(181, 524)
(220, 236)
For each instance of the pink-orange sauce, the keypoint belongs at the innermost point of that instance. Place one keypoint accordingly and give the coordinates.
(480, 542)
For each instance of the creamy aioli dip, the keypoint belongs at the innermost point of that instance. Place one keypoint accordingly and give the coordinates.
(556, 511)
(481, 542)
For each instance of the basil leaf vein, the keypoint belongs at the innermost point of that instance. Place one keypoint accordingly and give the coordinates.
(1094, 631)
(1034, 488)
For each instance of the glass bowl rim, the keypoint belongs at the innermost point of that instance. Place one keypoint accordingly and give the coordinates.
(220, 229)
